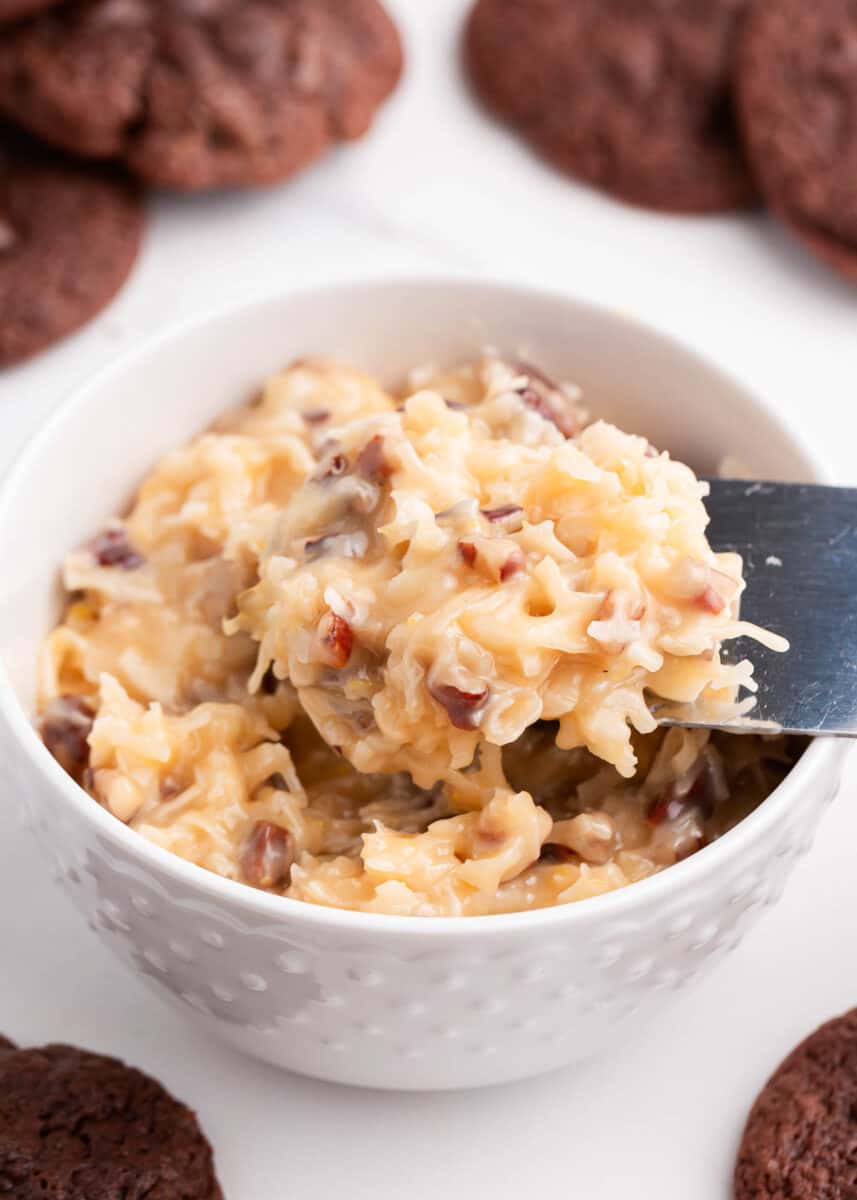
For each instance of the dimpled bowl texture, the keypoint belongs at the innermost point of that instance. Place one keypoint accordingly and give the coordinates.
(394, 1002)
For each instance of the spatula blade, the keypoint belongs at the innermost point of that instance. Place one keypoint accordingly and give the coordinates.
(799, 546)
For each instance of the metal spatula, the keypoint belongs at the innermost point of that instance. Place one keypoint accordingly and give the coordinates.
(799, 545)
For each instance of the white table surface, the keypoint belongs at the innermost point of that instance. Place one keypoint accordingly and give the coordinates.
(438, 187)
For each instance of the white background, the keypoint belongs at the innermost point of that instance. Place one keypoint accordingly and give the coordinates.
(438, 186)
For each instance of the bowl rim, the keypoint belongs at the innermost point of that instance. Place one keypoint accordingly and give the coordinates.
(276, 909)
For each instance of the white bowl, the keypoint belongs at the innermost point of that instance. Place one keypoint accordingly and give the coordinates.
(394, 1002)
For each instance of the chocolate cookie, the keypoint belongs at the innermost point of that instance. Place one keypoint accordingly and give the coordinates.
(69, 235)
(15, 10)
(796, 85)
(800, 1142)
(629, 95)
(75, 1125)
(197, 95)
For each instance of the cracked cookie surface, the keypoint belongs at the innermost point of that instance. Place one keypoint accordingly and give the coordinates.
(192, 95)
(631, 96)
(800, 1141)
(797, 102)
(76, 1124)
(69, 236)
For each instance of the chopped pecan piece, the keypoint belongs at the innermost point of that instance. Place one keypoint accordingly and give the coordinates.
(331, 467)
(268, 855)
(621, 604)
(336, 639)
(462, 511)
(718, 593)
(668, 807)
(113, 549)
(498, 558)
(513, 564)
(704, 586)
(537, 374)
(65, 726)
(372, 463)
(463, 708)
(617, 622)
(171, 786)
(509, 516)
(547, 399)
(710, 600)
(703, 791)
